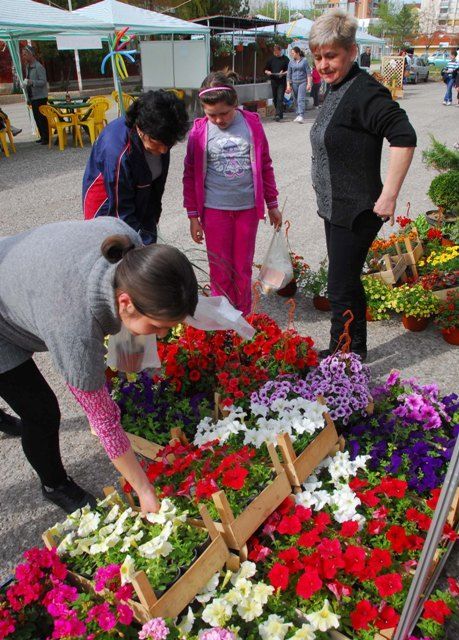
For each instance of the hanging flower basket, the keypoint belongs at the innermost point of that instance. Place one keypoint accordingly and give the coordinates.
(414, 324)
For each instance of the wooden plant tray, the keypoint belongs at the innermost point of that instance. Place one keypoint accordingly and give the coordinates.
(149, 449)
(453, 515)
(395, 267)
(442, 294)
(386, 634)
(173, 601)
(299, 467)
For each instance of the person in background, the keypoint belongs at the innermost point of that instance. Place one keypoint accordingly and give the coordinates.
(365, 59)
(276, 70)
(316, 82)
(3, 117)
(65, 287)
(449, 74)
(36, 86)
(299, 81)
(346, 139)
(228, 178)
(127, 170)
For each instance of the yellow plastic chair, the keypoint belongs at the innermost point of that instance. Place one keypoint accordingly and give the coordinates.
(101, 106)
(5, 135)
(127, 100)
(93, 119)
(58, 122)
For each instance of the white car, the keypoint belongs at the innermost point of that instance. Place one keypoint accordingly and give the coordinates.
(419, 70)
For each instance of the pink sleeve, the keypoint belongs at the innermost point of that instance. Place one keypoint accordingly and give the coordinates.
(189, 193)
(269, 181)
(104, 417)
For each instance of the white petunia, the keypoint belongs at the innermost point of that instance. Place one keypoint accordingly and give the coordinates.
(274, 628)
(247, 570)
(306, 632)
(211, 587)
(66, 543)
(168, 512)
(106, 531)
(112, 514)
(249, 610)
(131, 540)
(127, 570)
(186, 623)
(324, 619)
(217, 613)
(261, 592)
(98, 547)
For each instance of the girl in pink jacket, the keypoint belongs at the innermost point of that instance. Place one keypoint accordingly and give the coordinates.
(227, 180)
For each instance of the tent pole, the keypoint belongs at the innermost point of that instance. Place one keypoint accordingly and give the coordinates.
(77, 59)
(13, 47)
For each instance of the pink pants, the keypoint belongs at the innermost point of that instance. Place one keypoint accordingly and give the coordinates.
(230, 241)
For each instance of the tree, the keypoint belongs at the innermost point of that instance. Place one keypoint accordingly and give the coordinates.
(200, 8)
(398, 21)
(428, 23)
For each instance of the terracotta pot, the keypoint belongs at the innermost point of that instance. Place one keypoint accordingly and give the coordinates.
(368, 315)
(289, 290)
(451, 336)
(321, 303)
(446, 242)
(240, 47)
(414, 324)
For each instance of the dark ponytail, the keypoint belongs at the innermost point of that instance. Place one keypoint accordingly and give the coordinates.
(299, 51)
(115, 247)
(159, 279)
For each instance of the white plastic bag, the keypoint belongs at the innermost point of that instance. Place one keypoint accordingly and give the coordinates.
(132, 354)
(216, 313)
(277, 270)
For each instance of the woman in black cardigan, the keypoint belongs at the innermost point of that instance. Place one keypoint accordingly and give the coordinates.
(347, 137)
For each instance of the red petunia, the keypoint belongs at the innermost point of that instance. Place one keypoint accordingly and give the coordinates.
(388, 584)
(308, 584)
(321, 521)
(363, 615)
(436, 610)
(392, 487)
(398, 539)
(376, 527)
(291, 558)
(349, 529)
(309, 538)
(235, 478)
(453, 586)
(194, 375)
(388, 618)
(205, 488)
(303, 513)
(368, 498)
(423, 521)
(379, 559)
(339, 589)
(432, 502)
(354, 560)
(279, 576)
(357, 483)
(289, 525)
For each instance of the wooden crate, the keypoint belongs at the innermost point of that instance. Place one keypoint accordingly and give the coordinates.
(395, 268)
(173, 601)
(442, 294)
(149, 449)
(453, 514)
(387, 634)
(299, 467)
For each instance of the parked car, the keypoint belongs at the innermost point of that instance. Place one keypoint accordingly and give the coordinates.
(419, 70)
(439, 59)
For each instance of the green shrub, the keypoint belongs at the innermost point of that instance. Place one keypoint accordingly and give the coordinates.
(444, 190)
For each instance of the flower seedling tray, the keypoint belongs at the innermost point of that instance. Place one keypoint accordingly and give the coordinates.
(395, 267)
(299, 467)
(442, 294)
(175, 599)
(413, 254)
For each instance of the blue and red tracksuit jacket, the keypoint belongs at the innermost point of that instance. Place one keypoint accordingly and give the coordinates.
(118, 182)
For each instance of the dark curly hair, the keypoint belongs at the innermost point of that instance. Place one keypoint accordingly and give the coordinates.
(160, 115)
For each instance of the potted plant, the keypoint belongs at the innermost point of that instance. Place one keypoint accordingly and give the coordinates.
(314, 283)
(299, 267)
(379, 298)
(416, 305)
(444, 192)
(240, 46)
(448, 318)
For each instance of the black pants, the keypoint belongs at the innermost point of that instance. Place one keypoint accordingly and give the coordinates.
(31, 397)
(41, 121)
(347, 250)
(278, 89)
(315, 93)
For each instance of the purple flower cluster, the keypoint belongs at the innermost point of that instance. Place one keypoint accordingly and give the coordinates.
(341, 379)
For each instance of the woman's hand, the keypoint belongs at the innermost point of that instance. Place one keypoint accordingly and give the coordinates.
(149, 503)
(288, 89)
(275, 217)
(196, 230)
(385, 207)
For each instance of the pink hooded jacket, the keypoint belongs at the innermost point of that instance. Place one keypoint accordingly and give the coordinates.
(196, 167)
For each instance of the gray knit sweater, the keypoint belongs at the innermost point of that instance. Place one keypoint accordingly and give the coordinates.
(56, 295)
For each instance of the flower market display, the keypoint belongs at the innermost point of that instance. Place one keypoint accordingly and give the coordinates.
(242, 548)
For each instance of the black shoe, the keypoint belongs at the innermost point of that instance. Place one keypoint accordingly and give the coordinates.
(15, 131)
(69, 496)
(10, 425)
(44, 142)
(39, 141)
(277, 118)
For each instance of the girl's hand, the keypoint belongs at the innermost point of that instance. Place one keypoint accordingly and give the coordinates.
(196, 230)
(288, 89)
(149, 503)
(275, 217)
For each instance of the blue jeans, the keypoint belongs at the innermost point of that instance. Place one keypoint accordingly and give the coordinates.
(449, 90)
(299, 91)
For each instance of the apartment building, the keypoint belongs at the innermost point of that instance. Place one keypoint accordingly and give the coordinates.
(443, 13)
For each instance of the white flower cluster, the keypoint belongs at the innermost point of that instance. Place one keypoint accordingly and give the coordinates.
(294, 417)
(92, 532)
(341, 498)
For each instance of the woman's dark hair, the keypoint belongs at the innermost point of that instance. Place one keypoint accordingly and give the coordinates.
(227, 95)
(159, 279)
(160, 115)
(299, 51)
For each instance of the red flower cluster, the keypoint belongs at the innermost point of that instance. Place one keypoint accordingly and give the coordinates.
(434, 234)
(404, 221)
(436, 610)
(200, 361)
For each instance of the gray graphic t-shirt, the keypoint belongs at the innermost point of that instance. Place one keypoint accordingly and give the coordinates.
(229, 180)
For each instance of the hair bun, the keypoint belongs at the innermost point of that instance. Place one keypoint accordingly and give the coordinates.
(114, 248)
